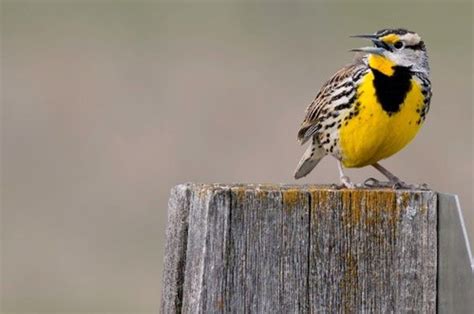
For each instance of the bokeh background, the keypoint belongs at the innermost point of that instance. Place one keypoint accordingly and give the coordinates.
(108, 104)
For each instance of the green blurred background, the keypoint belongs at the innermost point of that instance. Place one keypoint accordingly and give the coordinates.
(108, 104)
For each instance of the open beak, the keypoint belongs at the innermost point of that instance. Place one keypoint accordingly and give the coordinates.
(379, 48)
(365, 36)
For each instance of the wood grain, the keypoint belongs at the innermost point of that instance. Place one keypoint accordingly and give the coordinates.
(299, 249)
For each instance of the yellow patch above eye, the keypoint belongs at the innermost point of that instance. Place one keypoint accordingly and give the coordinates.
(390, 39)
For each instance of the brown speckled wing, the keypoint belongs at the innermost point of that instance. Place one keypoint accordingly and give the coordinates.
(321, 108)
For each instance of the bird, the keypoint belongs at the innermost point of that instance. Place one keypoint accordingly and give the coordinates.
(371, 108)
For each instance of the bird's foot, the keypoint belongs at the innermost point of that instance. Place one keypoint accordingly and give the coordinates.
(374, 183)
(346, 183)
(395, 184)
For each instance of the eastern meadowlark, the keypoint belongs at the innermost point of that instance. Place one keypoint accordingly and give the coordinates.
(370, 109)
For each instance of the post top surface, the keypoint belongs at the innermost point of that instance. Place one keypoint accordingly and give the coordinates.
(268, 187)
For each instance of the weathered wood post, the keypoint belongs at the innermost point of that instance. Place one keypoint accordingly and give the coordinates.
(299, 249)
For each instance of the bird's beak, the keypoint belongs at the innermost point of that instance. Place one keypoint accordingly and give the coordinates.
(365, 36)
(374, 50)
(379, 45)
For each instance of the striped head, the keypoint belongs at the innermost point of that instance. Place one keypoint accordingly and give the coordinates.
(397, 47)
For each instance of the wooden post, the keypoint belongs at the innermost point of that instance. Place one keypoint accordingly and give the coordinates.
(299, 249)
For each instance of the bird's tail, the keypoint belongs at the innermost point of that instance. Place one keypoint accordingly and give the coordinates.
(310, 159)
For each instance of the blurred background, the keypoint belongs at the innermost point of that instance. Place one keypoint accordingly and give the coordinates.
(108, 104)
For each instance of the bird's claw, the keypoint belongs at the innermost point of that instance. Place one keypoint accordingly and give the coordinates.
(371, 183)
(346, 182)
(396, 185)
(374, 183)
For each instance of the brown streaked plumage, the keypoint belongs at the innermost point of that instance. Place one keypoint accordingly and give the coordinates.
(317, 111)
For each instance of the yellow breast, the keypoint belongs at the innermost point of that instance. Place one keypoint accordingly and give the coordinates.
(373, 134)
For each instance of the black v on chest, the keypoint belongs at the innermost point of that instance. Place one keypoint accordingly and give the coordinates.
(392, 90)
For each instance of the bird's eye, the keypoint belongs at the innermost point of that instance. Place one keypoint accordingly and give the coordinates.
(398, 45)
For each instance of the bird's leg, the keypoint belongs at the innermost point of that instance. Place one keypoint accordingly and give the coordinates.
(393, 182)
(345, 180)
(390, 176)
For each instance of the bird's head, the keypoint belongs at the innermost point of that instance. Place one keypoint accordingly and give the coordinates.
(396, 47)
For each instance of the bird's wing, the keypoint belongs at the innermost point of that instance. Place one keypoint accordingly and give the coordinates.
(336, 94)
